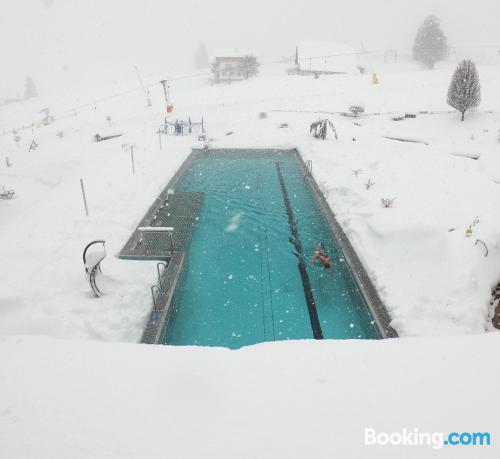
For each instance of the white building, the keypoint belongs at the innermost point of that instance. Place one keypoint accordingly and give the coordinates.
(233, 65)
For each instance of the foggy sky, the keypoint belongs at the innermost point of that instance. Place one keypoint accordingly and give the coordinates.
(94, 42)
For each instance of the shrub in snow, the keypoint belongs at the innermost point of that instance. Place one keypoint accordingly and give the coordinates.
(430, 43)
(319, 129)
(465, 89)
(369, 184)
(47, 119)
(356, 110)
(7, 161)
(6, 194)
(387, 202)
(356, 172)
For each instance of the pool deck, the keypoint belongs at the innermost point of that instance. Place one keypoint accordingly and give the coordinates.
(134, 249)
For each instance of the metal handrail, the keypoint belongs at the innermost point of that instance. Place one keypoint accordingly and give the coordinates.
(160, 283)
(309, 167)
(158, 229)
(153, 287)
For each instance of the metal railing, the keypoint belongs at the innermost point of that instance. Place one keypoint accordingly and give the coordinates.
(153, 238)
(309, 168)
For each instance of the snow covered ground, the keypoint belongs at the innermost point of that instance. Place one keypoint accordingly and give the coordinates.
(64, 399)
(257, 402)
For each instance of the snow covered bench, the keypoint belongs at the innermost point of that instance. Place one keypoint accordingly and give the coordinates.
(92, 263)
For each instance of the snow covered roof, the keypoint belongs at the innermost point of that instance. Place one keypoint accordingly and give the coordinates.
(327, 57)
(232, 53)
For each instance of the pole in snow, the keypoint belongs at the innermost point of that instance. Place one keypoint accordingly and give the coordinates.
(146, 93)
(132, 158)
(165, 91)
(84, 198)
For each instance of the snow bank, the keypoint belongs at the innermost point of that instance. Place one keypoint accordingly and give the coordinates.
(64, 399)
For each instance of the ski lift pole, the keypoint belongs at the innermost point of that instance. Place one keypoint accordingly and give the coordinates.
(146, 92)
(170, 107)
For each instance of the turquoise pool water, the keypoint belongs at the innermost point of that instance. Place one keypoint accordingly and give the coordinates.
(245, 280)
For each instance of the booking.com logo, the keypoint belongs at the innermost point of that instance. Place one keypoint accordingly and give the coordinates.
(436, 440)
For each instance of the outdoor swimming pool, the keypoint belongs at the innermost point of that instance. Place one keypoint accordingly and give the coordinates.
(248, 276)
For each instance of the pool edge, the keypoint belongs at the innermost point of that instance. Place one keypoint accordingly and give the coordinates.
(370, 294)
(368, 290)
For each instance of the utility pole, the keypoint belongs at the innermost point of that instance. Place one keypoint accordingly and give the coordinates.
(164, 84)
(168, 103)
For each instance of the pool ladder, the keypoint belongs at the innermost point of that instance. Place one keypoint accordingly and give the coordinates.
(160, 290)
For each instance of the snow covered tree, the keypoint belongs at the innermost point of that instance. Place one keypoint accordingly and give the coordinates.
(319, 129)
(430, 43)
(465, 89)
(250, 66)
(30, 89)
(201, 59)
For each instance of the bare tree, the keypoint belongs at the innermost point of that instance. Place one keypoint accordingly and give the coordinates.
(465, 89)
(387, 202)
(430, 43)
(369, 184)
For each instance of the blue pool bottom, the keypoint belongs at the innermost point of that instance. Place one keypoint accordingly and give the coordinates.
(242, 283)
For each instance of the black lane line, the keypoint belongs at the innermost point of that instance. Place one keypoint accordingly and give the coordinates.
(295, 240)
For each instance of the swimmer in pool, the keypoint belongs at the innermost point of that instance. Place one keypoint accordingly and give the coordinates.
(319, 255)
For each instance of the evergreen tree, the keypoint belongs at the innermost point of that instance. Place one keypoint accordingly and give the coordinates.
(201, 59)
(430, 43)
(465, 89)
(250, 66)
(30, 89)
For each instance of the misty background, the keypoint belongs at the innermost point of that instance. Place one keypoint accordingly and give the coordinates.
(69, 44)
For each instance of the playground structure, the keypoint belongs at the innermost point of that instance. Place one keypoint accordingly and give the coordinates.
(182, 127)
